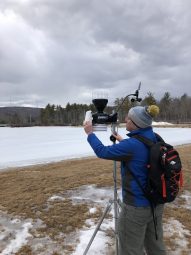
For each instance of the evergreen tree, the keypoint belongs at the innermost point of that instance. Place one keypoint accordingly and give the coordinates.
(164, 105)
(149, 99)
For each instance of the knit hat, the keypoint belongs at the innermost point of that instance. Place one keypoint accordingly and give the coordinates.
(142, 116)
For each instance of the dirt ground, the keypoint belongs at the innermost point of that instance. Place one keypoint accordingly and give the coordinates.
(25, 192)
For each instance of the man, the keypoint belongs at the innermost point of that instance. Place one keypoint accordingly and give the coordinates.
(136, 227)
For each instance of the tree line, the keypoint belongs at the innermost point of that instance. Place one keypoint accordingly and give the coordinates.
(174, 110)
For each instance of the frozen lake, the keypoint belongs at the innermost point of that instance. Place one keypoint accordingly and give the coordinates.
(33, 145)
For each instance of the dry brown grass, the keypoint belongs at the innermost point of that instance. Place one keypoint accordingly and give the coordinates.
(25, 250)
(25, 191)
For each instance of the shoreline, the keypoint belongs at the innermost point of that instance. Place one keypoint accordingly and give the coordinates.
(52, 163)
(17, 168)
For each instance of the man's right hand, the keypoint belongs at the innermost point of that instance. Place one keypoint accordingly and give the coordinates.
(117, 136)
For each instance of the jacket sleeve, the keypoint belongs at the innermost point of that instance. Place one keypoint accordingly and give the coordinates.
(120, 151)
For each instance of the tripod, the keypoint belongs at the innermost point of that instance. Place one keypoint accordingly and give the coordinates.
(100, 105)
(116, 203)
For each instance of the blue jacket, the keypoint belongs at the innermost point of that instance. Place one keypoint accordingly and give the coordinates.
(133, 154)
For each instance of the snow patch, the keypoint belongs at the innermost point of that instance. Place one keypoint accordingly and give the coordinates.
(56, 197)
(100, 243)
(90, 193)
(176, 230)
(13, 235)
(92, 210)
(187, 196)
(154, 123)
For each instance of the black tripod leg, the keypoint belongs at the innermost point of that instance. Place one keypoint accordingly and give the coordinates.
(98, 226)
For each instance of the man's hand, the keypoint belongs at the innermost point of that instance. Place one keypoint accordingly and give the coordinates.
(117, 136)
(88, 127)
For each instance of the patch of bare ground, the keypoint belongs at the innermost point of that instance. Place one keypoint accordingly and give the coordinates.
(25, 192)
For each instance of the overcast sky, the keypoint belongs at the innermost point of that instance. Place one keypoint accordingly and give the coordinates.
(59, 51)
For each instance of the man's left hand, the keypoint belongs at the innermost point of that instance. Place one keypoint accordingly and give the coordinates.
(88, 127)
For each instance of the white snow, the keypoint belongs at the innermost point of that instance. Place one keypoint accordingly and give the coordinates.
(99, 244)
(20, 239)
(91, 194)
(187, 197)
(13, 234)
(56, 197)
(92, 210)
(34, 145)
(154, 123)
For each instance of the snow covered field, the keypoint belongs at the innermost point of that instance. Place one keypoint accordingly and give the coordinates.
(26, 146)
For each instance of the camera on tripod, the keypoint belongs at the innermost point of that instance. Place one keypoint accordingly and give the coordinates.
(100, 119)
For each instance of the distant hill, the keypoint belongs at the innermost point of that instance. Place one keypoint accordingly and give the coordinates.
(20, 115)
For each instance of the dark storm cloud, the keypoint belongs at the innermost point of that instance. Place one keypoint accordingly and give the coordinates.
(59, 51)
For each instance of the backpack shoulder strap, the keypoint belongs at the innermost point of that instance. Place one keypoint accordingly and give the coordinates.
(147, 141)
(144, 140)
(159, 138)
